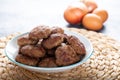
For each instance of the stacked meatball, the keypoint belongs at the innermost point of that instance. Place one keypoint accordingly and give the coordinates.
(49, 47)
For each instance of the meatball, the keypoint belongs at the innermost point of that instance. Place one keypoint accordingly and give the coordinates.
(24, 40)
(76, 45)
(40, 32)
(26, 50)
(53, 41)
(26, 60)
(65, 55)
(33, 51)
(47, 62)
(57, 30)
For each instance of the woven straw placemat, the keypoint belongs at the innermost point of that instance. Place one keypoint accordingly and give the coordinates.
(104, 64)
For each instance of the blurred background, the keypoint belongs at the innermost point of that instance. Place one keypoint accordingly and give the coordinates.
(23, 15)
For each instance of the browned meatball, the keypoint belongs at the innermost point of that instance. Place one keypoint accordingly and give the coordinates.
(33, 51)
(26, 60)
(26, 50)
(53, 41)
(40, 32)
(65, 55)
(47, 62)
(24, 40)
(57, 30)
(76, 45)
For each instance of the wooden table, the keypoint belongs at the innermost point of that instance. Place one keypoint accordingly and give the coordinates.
(23, 15)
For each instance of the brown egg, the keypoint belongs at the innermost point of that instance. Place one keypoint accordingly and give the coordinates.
(92, 22)
(91, 4)
(75, 12)
(102, 13)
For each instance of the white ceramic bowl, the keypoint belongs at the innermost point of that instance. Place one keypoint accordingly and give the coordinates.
(11, 51)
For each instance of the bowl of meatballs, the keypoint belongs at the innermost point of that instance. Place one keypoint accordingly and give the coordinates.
(49, 49)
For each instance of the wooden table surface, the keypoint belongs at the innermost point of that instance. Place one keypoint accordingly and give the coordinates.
(23, 15)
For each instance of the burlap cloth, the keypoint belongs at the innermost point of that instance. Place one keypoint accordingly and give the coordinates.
(104, 64)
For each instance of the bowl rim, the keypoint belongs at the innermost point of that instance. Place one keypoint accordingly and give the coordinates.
(49, 68)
